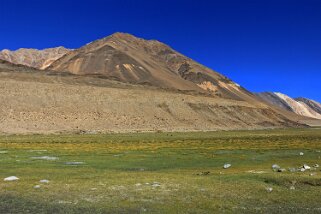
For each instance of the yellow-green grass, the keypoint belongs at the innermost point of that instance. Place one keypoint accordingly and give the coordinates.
(115, 164)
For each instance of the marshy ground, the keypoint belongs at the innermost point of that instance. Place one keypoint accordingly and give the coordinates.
(162, 172)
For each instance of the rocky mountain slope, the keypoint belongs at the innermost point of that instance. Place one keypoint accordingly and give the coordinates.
(125, 58)
(300, 106)
(32, 57)
(35, 101)
(314, 105)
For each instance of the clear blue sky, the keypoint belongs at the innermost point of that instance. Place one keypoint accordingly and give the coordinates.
(264, 45)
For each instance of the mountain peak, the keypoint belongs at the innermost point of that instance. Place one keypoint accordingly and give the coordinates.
(126, 58)
(126, 37)
(122, 35)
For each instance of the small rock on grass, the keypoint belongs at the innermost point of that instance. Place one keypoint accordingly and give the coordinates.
(281, 170)
(292, 188)
(292, 169)
(156, 184)
(143, 209)
(204, 173)
(269, 189)
(301, 153)
(44, 181)
(45, 158)
(305, 166)
(37, 187)
(11, 178)
(227, 165)
(275, 167)
(74, 163)
(316, 166)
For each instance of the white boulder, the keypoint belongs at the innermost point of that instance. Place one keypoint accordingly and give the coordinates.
(306, 167)
(269, 189)
(11, 178)
(37, 187)
(227, 165)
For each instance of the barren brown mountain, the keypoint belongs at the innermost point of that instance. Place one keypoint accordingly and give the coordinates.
(125, 84)
(32, 57)
(126, 58)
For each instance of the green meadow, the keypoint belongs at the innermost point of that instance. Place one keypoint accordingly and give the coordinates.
(162, 172)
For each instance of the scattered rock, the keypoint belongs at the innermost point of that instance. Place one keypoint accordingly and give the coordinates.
(316, 166)
(301, 153)
(143, 209)
(275, 167)
(306, 167)
(44, 181)
(138, 184)
(156, 185)
(227, 165)
(45, 158)
(313, 174)
(292, 187)
(64, 202)
(292, 169)
(74, 163)
(281, 170)
(204, 173)
(256, 172)
(37, 187)
(11, 178)
(42, 150)
(302, 169)
(93, 189)
(269, 189)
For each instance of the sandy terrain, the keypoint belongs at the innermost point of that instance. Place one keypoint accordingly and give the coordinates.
(39, 103)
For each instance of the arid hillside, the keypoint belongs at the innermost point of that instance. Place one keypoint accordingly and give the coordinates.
(122, 83)
(34, 101)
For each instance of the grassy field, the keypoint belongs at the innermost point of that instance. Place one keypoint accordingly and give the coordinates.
(162, 172)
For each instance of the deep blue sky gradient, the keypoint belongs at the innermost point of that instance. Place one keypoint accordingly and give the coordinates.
(264, 45)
